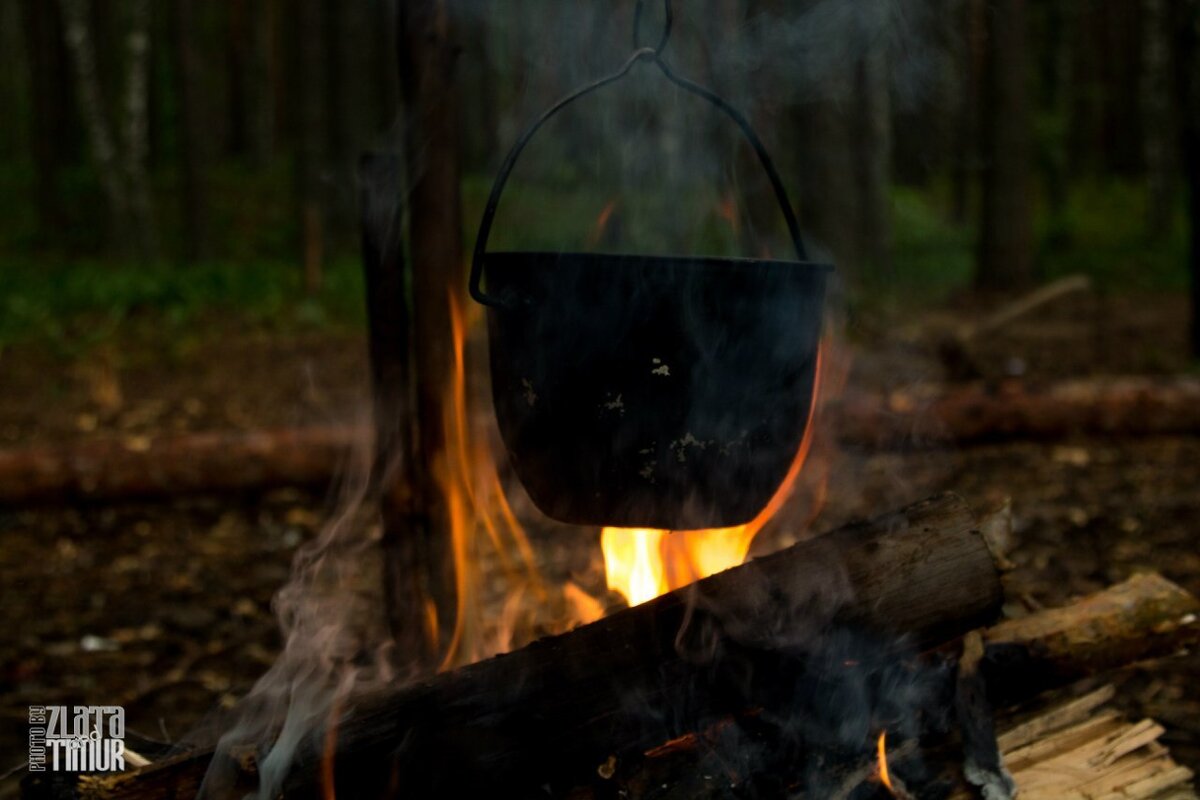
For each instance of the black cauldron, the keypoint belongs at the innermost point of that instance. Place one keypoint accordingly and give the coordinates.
(650, 391)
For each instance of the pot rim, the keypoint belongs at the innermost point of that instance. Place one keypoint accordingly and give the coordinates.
(640, 258)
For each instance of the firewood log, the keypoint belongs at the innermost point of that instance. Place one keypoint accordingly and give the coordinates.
(169, 466)
(646, 674)
(571, 700)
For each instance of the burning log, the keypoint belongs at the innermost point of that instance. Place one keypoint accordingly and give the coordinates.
(575, 699)
(646, 674)
(1144, 617)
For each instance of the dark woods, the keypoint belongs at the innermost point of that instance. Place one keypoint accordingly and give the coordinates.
(983, 141)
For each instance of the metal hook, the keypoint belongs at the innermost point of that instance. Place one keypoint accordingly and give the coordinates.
(668, 19)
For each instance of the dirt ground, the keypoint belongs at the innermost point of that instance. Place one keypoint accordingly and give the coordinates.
(166, 608)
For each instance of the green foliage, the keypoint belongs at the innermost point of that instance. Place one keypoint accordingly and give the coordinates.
(76, 304)
(71, 303)
(933, 256)
(1102, 232)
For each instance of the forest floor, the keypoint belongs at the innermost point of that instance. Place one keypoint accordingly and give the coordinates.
(166, 608)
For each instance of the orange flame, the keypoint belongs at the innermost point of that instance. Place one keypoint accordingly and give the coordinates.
(641, 563)
(483, 527)
(485, 531)
(881, 754)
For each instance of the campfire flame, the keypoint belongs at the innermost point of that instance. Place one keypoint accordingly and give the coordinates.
(329, 751)
(641, 564)
(881, 751)
(484, 528)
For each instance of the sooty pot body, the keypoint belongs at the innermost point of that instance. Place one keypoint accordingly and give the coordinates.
(647, 391)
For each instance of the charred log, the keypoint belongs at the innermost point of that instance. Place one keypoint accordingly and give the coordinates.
(569, 696)
(1009, 663)
(644, 675)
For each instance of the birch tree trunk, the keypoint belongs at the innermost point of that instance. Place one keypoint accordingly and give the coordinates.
(137, 47)
(123, 176)
(104, 151)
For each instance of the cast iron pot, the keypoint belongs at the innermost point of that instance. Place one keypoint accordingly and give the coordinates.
(650, 391)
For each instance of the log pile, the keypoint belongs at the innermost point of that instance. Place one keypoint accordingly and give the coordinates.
(702, 656)
(1083, 749)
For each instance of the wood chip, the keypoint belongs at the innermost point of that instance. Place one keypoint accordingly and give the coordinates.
(1081, 750)
(1069, 713)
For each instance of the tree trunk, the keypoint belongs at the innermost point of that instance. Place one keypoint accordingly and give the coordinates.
(347, 79)
(428, 54)
(967, 116)
(396, 475)
(137, 126)
(238, 55)
(873, 159)
(1158, 122)
(1054, 77)
(313, 125)
(1121, 71)
(78, 35)
(1005, 259)
(385, 83)
(122, 173)
(748, 201)
(192, 133)
(260, 93)
(1187, 92)
(50, 120)
(827, 198)
(846, 159)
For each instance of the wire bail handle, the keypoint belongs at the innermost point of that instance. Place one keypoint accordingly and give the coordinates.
(653, 55)
(668, 19)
